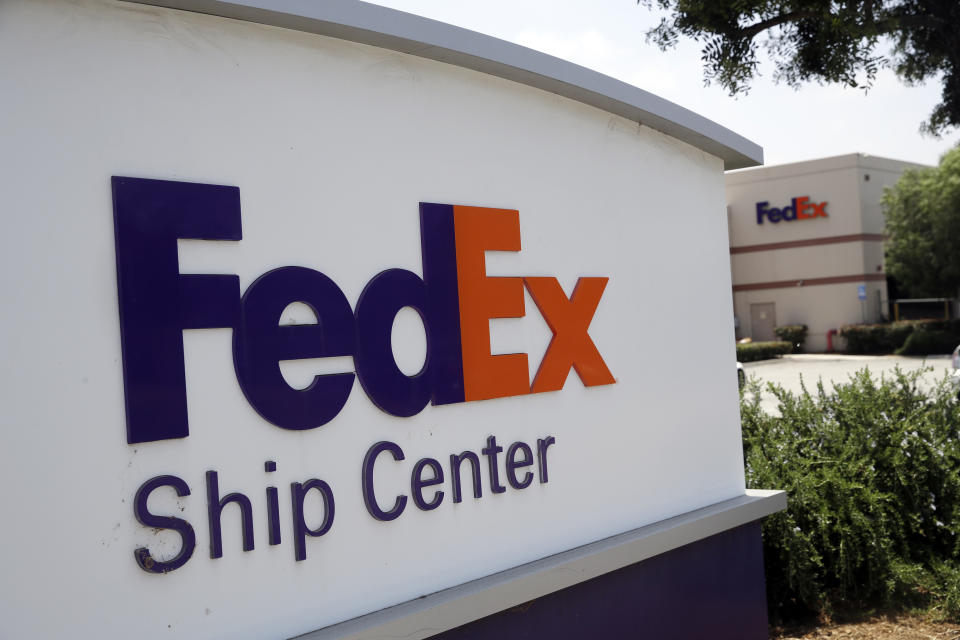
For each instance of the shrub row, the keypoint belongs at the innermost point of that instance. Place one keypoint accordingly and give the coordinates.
(888, 338)
(795, 334)
(761, 350)
(875, 338)
(872, 471)
(925, 342)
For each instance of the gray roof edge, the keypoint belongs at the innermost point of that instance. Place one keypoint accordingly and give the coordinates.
(398, 31)
(826, 164)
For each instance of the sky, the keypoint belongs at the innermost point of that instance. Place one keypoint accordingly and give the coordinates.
(790, 124)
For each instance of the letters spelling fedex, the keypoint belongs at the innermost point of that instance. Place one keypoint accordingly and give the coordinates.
(798, 209)
(454, 298)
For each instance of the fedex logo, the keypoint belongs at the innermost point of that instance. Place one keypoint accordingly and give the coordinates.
(454, 298)
(798, 209)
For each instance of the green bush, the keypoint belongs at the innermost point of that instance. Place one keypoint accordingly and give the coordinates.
(872, 472)
(761, 350)
(887, 338)
(908, 337)
(924, 342)
(950, 326)
(876, 338)
(795, 334)
(864, 338)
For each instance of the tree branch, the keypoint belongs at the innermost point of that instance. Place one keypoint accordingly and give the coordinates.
(763, 25)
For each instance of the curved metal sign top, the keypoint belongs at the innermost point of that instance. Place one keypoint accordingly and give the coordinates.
(398, 31)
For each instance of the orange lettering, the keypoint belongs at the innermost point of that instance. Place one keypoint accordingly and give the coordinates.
(569, 320)
(481, 298)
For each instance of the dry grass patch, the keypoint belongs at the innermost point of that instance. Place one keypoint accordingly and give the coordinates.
(880, 628)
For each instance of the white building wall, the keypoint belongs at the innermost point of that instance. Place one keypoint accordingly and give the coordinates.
(821, 308)
(798, 263)
(811, 269)
(833, 181)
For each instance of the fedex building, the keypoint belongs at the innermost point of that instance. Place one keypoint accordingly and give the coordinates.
(806, 245)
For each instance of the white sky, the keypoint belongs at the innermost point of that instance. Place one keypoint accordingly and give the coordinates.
(609, 36)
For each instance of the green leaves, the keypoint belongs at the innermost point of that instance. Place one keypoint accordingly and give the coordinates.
(751, 351)
(823, 41)
(795, 334)
(922, 214)
(872, 471)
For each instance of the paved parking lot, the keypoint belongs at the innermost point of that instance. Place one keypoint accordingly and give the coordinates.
(788, 371)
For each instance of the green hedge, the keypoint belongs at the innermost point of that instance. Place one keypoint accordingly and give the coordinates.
(795, 334)
(888, 338)
(951, 326)
(876, 338)
(872, 471)
(761, 350)
(924, 343)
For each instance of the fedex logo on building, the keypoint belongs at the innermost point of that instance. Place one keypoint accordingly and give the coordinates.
(454, 297)
(798, 209)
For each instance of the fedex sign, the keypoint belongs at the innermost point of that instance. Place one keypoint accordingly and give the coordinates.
(454, 297)
(798, 209)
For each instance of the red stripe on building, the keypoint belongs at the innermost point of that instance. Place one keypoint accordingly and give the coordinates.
(812, 242)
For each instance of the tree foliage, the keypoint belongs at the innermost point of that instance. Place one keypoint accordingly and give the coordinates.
(923, 224)
(822, 40)
(872, 473)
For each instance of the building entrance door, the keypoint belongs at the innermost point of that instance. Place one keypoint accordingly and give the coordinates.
(763, 319)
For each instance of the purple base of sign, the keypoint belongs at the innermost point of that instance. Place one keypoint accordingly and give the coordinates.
(713, 588)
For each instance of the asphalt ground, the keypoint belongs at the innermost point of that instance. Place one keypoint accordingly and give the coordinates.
(792, 371)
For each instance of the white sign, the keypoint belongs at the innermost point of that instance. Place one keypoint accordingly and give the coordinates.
(320, 156)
